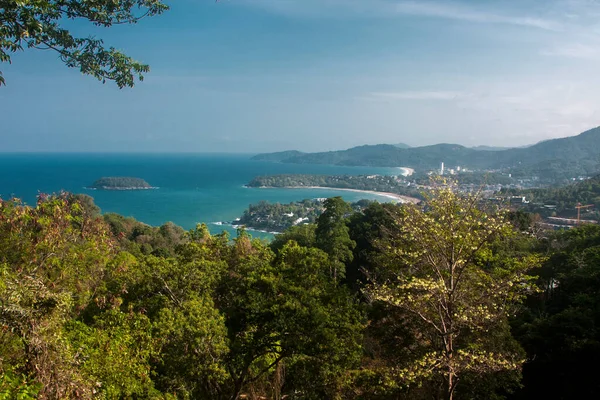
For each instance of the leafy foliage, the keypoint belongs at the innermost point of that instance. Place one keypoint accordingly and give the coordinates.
(443, 273)
(333, 237)
(213, 319)
(41, 25)
(560, 329)
(14, 385)
(114, 351)
(139, 238)
(51, 261)
(85, 312)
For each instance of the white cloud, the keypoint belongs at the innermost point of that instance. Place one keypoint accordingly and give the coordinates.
(494, 112)
(525, 98)
(539, 109)
(461, 12)
(395, 8)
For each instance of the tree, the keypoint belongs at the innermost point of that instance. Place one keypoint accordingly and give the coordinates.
(442, 271)
(365, 229)
(323, 321)
(289, 323)
(176, 295)
(90, 209)
(114, 353)
(41, 25)
(332, 235)
(52, 259)
(304, 235)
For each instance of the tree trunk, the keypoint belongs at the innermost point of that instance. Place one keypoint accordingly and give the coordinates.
(278, 382)
(451, 378)
(449, 391)
(239, 384)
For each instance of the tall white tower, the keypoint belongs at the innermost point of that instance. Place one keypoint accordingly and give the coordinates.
(442, 169)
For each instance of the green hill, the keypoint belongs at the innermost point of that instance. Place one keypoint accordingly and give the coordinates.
(279, 156)
(490, 148)
(557, 159)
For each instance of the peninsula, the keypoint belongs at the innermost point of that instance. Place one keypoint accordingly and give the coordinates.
(388, 186)
(121, 183)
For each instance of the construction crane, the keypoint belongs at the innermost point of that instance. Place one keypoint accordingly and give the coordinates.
(579, 207)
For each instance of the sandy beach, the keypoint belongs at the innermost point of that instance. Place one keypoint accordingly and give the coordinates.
(406, 171)
(398, 197)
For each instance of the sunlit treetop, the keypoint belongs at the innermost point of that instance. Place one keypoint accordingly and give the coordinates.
(39, 24)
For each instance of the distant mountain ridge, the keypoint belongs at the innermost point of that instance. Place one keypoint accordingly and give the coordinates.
(279, 156)
(572, 155)
(491, 148)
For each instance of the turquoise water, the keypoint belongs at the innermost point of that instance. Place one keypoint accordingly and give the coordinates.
(192, 187)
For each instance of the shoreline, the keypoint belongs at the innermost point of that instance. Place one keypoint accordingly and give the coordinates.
(406, 171)
(400, 198)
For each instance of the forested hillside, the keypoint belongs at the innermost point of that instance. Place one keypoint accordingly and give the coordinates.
(559, 158)
(392, 302)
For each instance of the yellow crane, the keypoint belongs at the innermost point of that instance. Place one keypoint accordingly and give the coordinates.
(579, 207)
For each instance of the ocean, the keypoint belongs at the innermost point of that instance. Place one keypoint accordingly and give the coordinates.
(192, 188)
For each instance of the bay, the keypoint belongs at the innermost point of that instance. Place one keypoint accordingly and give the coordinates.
(192, 188)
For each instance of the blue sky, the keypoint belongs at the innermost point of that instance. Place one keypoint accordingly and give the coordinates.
(315, 75)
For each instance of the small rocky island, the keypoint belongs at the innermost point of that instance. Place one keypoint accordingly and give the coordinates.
(121, 183)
